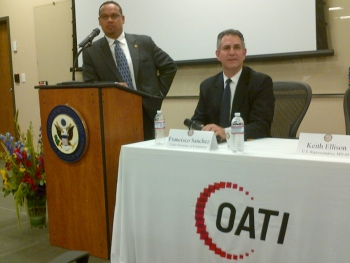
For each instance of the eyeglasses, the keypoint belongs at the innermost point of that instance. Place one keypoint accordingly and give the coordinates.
(106, 17)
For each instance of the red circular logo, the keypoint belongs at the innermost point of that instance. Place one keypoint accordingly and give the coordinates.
(200, 221)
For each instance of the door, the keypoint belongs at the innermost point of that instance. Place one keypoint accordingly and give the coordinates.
(7, 94)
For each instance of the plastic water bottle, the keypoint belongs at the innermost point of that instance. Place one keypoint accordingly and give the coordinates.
(159, 128)
(237, 133)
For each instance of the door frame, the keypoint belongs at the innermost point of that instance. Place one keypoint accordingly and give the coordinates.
(6, 20)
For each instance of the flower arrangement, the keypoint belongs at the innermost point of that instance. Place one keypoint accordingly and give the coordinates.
(23, 174)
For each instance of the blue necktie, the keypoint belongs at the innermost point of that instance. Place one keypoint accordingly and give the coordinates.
(226, 106)
(122, 64)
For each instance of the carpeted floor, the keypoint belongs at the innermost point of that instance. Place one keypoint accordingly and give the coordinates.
(25, 244)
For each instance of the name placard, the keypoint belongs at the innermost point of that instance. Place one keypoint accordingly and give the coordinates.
(192, 139)
(328, 145)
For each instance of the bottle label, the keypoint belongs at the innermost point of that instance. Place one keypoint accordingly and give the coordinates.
(237, 129)
(159, 125)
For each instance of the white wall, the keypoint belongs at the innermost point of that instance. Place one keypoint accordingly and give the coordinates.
(22, 30)
(325, 75)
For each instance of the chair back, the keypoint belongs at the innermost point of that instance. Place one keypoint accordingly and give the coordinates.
(292, 101)
(347, 111)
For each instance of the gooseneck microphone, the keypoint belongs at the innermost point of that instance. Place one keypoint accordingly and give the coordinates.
(90, 37)
(193, 124)
(87, 42)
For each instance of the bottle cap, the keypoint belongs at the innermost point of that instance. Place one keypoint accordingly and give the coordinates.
(237, 114)
(159, 111)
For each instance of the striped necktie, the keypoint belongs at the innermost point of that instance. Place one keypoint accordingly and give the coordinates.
(122, 64)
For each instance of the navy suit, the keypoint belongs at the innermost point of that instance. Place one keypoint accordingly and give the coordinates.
(253, 98)
(154, 72)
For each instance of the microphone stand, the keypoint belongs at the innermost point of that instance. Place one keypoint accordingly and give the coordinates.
(89, 44)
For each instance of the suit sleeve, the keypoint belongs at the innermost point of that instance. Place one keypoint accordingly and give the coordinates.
(200, 113)
(262, 105)
(166, 68)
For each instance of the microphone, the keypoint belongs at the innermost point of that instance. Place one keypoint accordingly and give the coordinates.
(197, 126)
(192, 124)
(90, 37)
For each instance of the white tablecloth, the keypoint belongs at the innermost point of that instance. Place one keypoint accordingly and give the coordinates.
(265, 205)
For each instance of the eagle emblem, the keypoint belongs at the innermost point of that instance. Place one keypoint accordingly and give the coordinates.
(67, 133)
(64, 135)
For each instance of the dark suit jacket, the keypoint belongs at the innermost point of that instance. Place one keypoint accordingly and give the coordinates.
(154, 71)
(253, 98)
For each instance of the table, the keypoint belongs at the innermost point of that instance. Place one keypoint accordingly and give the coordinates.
(267, 204)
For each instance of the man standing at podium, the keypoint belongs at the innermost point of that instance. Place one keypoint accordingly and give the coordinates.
(131, 60)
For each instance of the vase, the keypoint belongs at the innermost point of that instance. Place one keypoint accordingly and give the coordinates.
(36, 210)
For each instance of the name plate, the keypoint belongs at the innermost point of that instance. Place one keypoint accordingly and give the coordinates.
(328, 145)
(192, 139)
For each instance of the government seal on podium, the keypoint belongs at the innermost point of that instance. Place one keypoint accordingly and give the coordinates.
(67, 133)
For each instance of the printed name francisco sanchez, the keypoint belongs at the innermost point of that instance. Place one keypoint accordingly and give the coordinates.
(186, 140)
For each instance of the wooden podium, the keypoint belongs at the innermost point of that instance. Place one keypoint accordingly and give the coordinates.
(81, 194)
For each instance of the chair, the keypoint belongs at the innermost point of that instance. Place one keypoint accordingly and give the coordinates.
(292, 101)
(347, 111)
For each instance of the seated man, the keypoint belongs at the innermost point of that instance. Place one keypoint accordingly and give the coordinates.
(248, 92)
